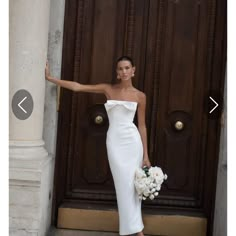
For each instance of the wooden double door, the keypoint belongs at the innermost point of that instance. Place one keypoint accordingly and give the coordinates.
(179, 49)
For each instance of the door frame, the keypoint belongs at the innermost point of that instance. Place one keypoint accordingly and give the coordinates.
(216, 71)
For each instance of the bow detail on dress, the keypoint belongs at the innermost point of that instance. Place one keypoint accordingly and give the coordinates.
(128, 104)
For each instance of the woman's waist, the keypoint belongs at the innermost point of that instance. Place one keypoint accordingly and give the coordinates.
(121, 124)
(123, 134)
(122, 128)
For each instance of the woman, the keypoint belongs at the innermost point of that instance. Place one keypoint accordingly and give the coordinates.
(126, 145)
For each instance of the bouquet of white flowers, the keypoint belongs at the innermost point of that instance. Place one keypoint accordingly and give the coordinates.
(148, 182)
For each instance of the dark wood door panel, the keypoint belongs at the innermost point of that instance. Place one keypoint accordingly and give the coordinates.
(172, 43)
(103, 30)
(175, 82)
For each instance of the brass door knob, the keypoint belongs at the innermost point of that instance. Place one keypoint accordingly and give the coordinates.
(179, 125)
(98, 120)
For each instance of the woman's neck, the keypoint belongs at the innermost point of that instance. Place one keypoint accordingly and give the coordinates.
(126, 84)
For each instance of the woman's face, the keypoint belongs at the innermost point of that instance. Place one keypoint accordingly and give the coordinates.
(125, 70)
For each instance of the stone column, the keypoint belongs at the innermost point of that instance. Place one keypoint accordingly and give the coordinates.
(29, 161)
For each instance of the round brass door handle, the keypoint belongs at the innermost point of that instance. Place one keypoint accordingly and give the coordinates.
(98, 120)
(179, 125)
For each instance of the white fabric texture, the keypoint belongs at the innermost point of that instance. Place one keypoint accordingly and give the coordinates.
(125, 154)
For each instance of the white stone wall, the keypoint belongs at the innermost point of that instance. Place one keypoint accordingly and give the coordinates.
(29, 197)
(31, 160)
(55, 41)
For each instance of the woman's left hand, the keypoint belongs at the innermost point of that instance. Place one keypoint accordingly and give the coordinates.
(146, 162)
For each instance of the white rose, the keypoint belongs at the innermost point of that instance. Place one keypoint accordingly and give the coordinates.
(158, 187)
(148, 181)
(151, 196)
(140, 187)
(153, 171)
(146, 192)
(139, 173)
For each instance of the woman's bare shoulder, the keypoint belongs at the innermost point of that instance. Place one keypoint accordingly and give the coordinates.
(141, 96)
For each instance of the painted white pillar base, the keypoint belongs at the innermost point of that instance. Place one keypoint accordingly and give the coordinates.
(29, 189)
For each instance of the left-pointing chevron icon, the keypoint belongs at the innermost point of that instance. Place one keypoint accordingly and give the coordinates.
(19, 105)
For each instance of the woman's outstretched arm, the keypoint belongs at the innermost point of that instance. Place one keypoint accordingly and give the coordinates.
(142, 128)
(77, 87)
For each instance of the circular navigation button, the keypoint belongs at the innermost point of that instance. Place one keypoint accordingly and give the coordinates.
(22, 104)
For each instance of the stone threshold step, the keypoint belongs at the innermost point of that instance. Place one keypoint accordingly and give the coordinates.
(68, 232)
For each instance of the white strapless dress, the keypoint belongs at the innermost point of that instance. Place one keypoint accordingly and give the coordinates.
(125, 154)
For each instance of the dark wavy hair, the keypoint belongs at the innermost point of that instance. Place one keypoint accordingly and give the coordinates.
(125, 58)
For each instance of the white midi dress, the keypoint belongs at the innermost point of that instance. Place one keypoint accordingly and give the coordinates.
(125, 154)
